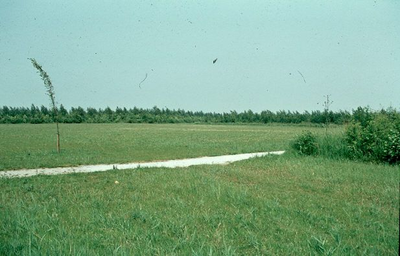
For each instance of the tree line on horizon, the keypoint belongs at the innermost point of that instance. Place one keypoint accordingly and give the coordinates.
(38, 115)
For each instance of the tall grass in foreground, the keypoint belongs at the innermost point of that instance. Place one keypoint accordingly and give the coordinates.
(277, 205)
(331, 146)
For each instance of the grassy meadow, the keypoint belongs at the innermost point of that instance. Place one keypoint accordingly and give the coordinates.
(274, 205)
(33, 146)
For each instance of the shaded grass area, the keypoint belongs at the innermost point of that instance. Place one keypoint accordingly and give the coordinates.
(271, 205)
(34, 146)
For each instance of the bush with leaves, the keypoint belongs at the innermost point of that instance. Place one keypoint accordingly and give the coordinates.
(306, 143)
(374, 136)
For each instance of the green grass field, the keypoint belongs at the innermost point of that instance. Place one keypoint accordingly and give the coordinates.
(33, 146)
(276, 205)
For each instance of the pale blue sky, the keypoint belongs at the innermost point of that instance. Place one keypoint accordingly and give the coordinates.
(97, 53)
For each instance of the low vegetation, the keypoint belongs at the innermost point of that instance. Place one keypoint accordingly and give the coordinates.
(278, 205)
(32, 146)
(371, 136)
(275, 205)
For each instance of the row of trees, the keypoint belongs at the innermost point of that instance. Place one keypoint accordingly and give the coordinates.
(42, 114)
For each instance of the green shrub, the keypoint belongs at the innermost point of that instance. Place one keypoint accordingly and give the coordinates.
(306, 143)
(392, 146)
(371, 136)
(375, 136)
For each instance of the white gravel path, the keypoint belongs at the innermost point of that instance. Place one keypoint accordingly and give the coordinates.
(226, 159)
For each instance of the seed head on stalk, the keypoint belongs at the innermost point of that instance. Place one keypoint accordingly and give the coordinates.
(50, 91)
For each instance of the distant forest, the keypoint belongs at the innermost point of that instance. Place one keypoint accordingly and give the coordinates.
(38, 115)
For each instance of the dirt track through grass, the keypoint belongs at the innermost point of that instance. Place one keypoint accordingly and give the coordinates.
(226, 159)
